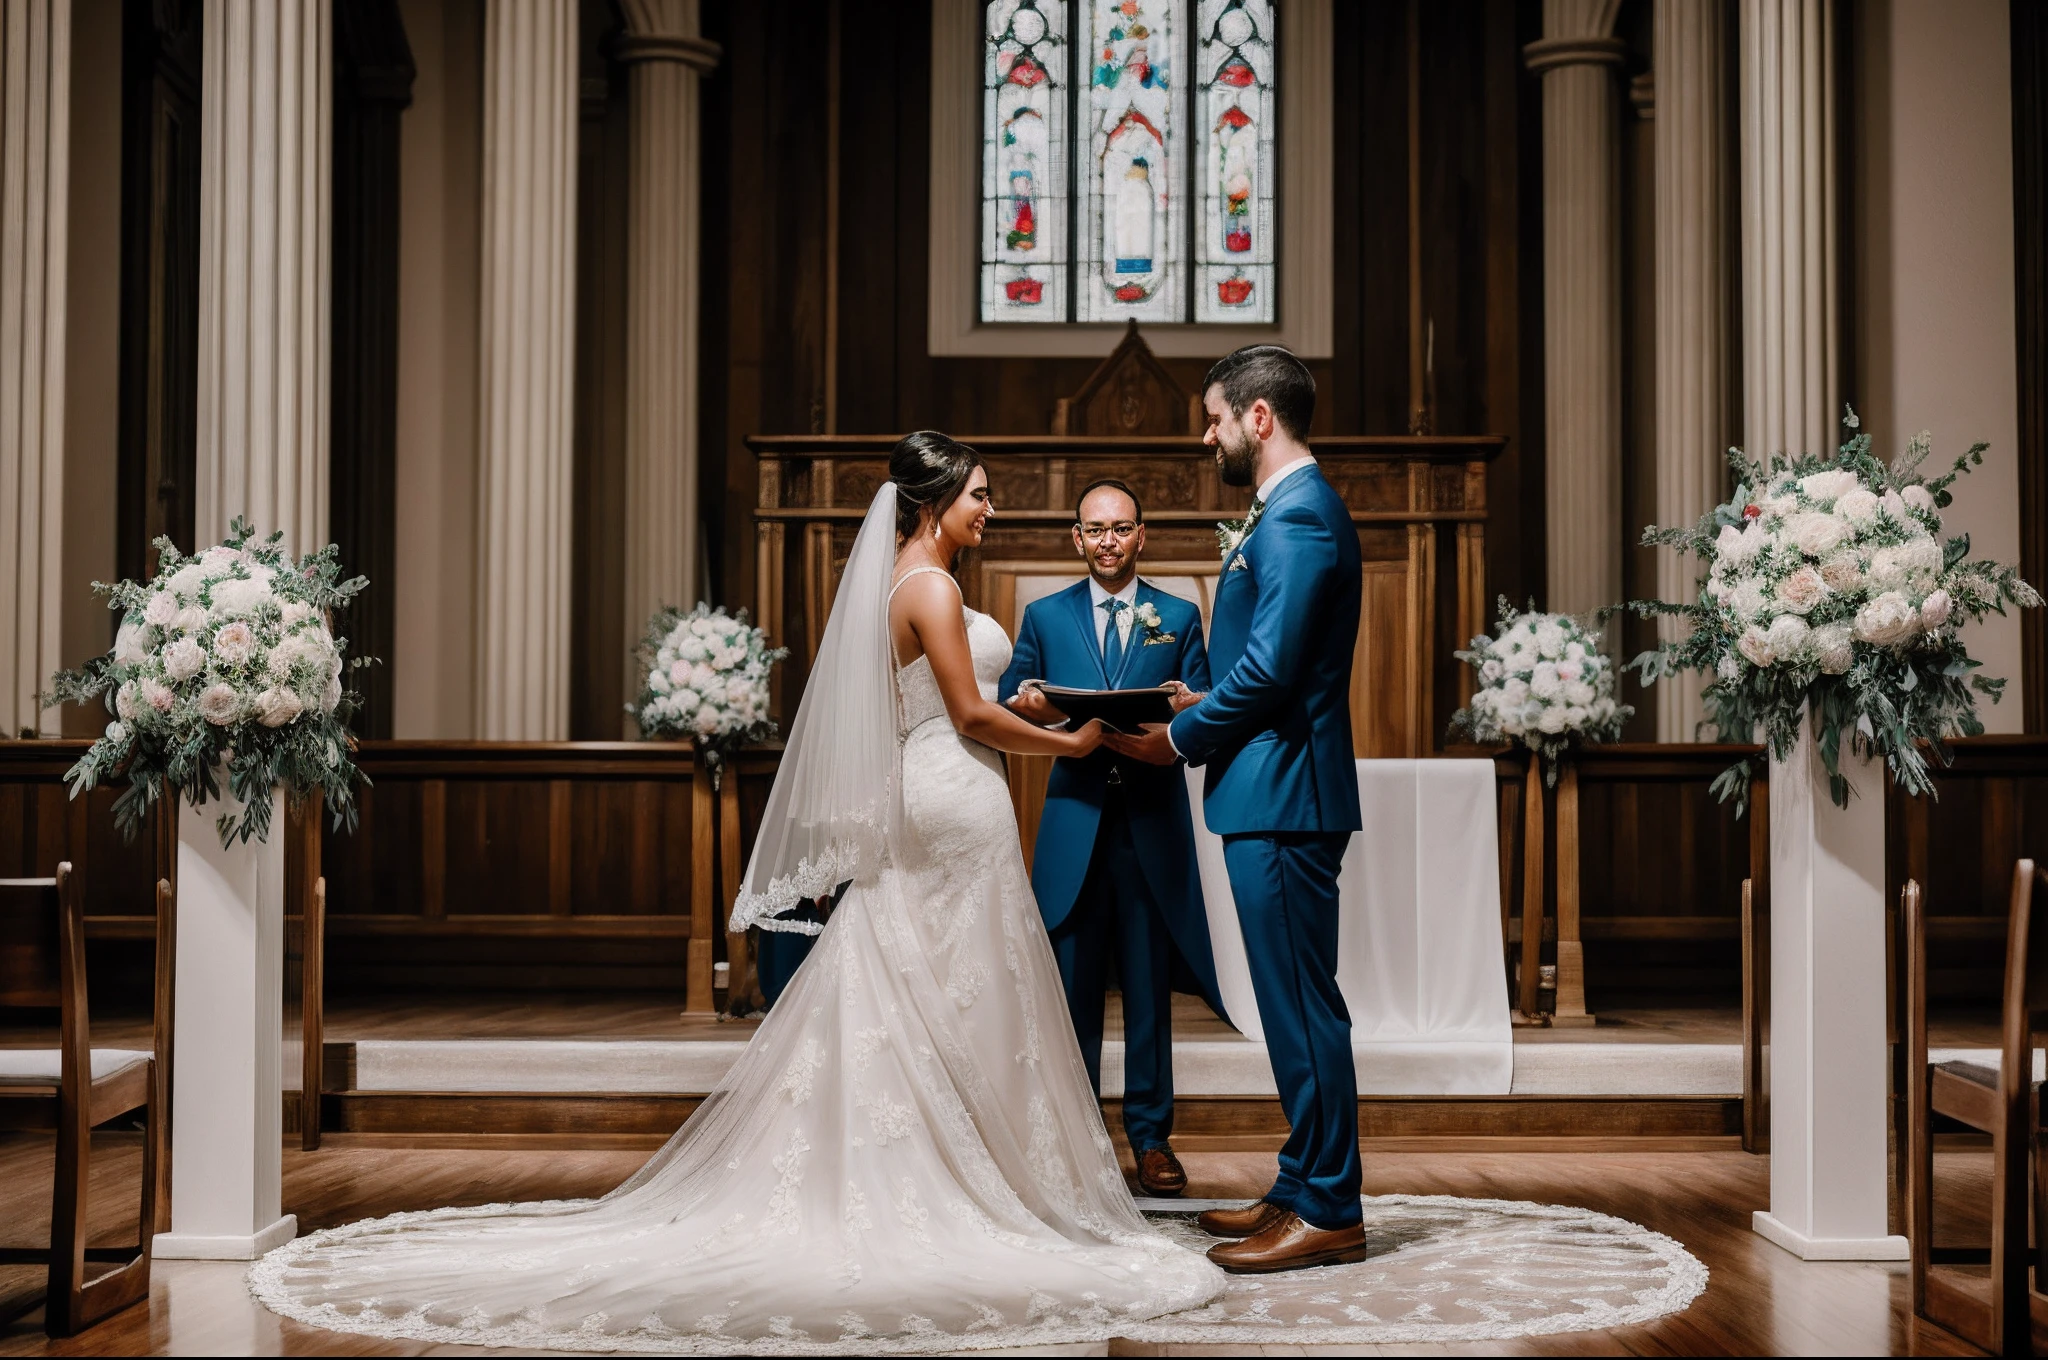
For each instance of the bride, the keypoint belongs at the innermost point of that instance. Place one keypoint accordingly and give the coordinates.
(909, 1156)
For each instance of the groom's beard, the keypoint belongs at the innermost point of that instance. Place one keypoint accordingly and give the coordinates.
(1236, 458)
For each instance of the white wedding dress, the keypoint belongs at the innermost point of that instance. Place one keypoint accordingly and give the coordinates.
(907, 1158)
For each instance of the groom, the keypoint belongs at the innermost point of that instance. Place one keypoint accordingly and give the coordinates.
(1114, 870)
(1282, 792)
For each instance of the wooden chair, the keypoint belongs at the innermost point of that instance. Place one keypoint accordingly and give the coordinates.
(71, 1088)
(1990, 1308)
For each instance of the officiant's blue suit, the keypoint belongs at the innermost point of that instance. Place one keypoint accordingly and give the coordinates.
(1281, 789)
(1095, 887)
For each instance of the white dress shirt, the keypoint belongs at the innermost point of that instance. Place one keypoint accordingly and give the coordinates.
(1272, 483)
(1126, 618)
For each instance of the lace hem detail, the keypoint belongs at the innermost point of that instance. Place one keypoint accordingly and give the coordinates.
(267, 1281)
(813, 878)
(1250, 1314)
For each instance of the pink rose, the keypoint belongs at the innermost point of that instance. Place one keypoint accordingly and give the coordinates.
(1802, 590)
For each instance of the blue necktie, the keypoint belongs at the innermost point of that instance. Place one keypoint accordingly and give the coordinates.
(1112, 640)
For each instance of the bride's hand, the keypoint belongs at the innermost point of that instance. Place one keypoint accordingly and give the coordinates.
(1087, 737)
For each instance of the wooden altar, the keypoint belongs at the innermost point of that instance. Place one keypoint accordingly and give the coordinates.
(1418, 503)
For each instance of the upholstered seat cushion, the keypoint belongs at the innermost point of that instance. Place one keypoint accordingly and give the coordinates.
(39, 1066)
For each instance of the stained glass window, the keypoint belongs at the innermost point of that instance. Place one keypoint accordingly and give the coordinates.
(1234, 160)
(1128, 161)
(1132, 263)
(1025, 194)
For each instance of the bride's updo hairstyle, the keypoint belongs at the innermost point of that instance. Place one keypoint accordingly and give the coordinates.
(929, 469)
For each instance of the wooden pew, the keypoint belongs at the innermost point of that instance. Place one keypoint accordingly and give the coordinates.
(72, 1088)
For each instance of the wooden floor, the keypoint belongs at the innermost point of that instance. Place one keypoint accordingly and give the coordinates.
(1760, 1301)
(656, 1015)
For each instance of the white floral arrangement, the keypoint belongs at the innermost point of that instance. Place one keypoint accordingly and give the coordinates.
(1831, 592)
(225, 660)
(707, 682)
(1544, 682)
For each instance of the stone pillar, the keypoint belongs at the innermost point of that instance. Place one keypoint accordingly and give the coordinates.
(1693, 420)
(662, 531)
(35, 141)
(526, 350)
(266, 102)
(1578, 58)
(1790, 349)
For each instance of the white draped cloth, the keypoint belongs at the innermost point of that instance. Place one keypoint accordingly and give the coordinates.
(1418, 936)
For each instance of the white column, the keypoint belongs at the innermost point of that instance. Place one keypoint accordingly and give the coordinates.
(1790, 356)
(1693, 420)
(227, 1097)
(525, 355)
(1829, 1195)
(266, 105)
(667, 56)
(1829, 1198)
(35, 138)
(1578, 60)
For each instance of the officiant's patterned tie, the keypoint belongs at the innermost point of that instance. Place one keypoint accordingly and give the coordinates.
(1112, 639)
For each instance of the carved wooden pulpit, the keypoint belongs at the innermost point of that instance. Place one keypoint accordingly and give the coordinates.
(1418, 503)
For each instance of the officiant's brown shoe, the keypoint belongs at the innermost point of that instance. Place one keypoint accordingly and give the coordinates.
(1290, 1243)
(1242, 1222)
(1160, 1172)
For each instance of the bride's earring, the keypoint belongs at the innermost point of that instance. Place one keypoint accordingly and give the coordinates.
(935, 530)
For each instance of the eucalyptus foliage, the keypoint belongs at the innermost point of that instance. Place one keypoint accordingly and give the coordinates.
(1830, 592)
(224, 662)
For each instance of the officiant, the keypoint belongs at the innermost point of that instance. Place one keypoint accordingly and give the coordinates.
(1114, 868)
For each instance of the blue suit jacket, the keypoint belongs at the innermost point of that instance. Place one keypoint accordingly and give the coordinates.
(1056, 643)
(1275, 732)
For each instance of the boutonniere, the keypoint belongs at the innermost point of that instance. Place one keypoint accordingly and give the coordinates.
(1231, 533)
(1148, 619)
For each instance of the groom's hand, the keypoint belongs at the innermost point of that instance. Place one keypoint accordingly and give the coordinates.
(1182, 699)
(1154, 747)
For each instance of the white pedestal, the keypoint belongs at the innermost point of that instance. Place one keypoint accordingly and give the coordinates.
(227, 1101)
(1827, 1054)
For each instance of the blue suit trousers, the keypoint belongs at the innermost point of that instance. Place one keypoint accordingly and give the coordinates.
(1116, 915)
(1286, 889)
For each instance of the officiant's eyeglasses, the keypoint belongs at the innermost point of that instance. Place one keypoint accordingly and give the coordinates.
(1095, 533)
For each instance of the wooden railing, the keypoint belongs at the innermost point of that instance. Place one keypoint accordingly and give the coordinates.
(500, 864)
(523, 863)
(1632, 857)
(1990, 808)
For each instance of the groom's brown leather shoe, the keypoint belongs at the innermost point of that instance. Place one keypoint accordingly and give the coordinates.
(1160, 1172)
(1242, 1222)
(1290, 1243)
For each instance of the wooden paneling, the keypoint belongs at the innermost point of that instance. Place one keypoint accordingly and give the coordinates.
(1990, 808)
(1416, 502)
(793, 346)
(544, 864)
(1383, 692)
(603, 638)
(161, 62)
(372, 88)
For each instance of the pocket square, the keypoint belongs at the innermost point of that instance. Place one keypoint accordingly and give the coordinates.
(1238, 563)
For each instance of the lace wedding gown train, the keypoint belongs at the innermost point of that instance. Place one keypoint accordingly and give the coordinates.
(907, 1158)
